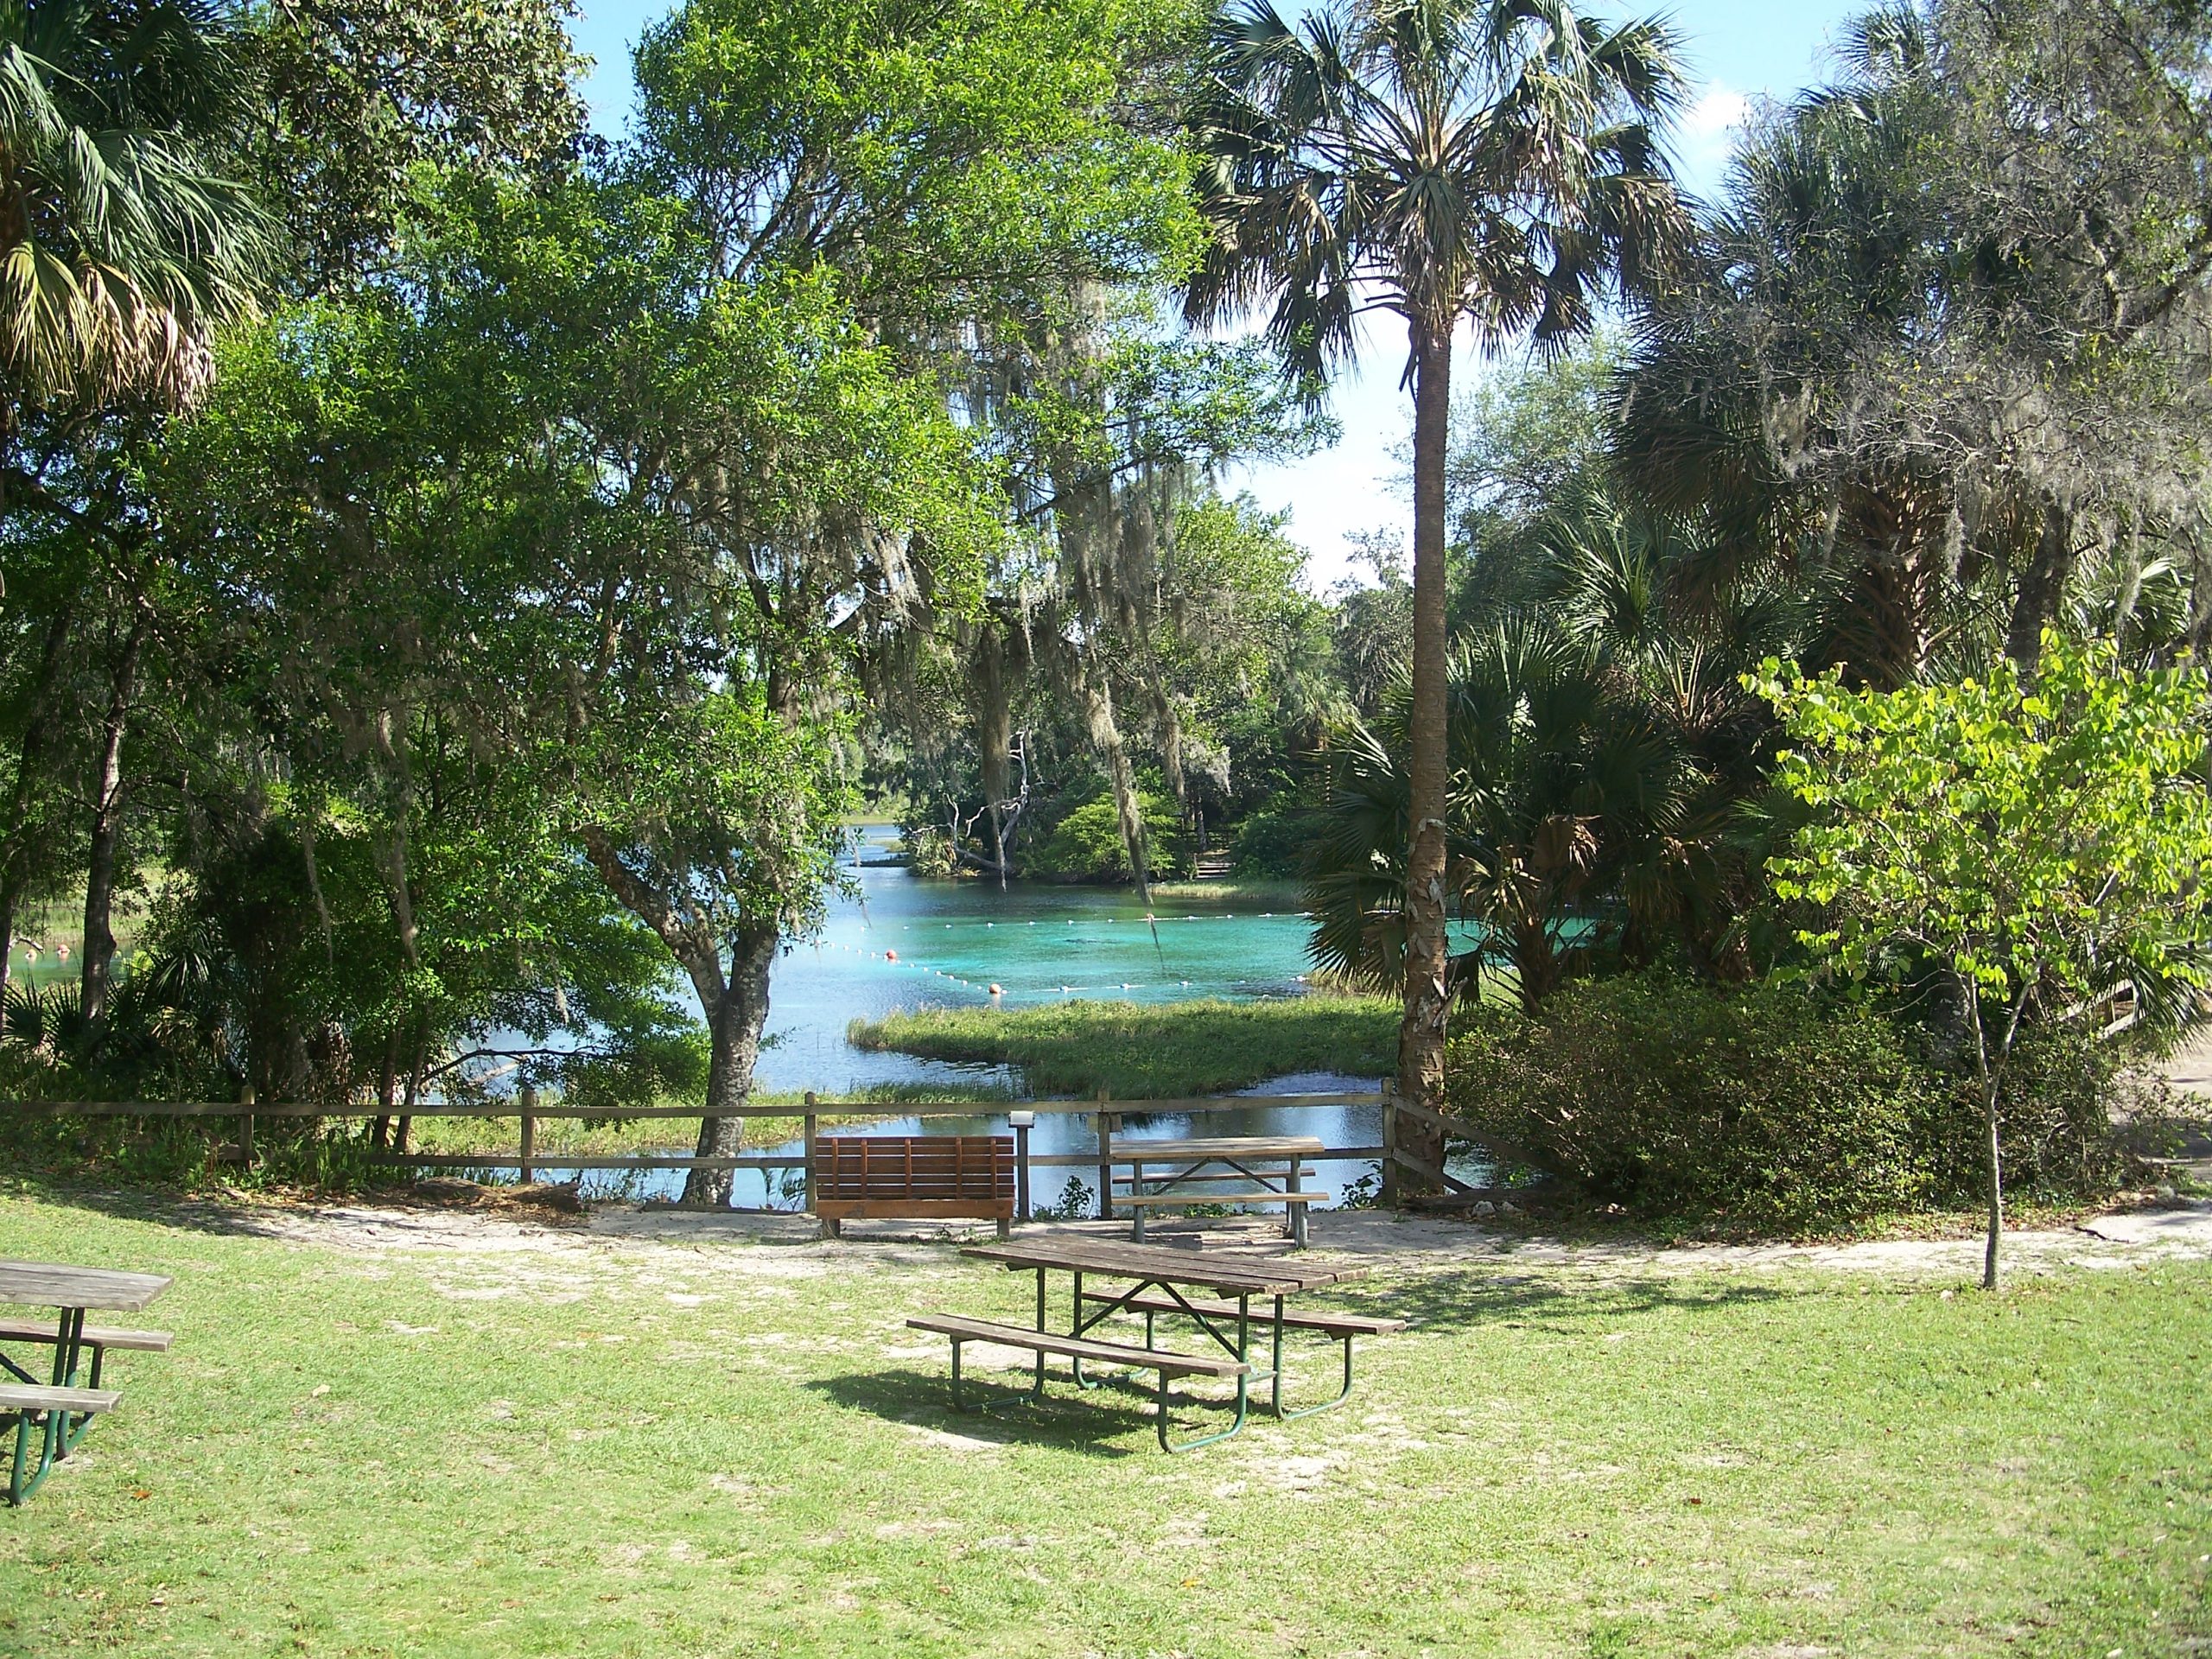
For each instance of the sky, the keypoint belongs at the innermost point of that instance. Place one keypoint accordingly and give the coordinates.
(1740, 52)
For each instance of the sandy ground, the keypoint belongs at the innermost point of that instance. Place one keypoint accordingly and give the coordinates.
(624, 1238)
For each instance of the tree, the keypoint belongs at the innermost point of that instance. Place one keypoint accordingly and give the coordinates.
(126, 241)
(1943, 360)
(2039, 838)
(1491, 164)
(361, 98)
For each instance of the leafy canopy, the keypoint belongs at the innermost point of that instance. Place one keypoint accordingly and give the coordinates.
(2039, 835)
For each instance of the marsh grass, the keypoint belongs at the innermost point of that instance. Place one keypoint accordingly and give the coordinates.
(735, 1449)
(1137, 1051)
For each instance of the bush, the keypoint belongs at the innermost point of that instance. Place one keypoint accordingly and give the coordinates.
(1086, 845)
(1772, 1106)
(1274, 843)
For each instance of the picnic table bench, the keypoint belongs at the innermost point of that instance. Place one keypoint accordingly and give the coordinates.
(913, 1177)
(1157, 1277)
(1269, 1165)
(50, 1417)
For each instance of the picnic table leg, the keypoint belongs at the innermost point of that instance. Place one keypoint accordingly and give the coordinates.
(1293, 1222)
(69, 1360)
(1274, 1382)
(1037, 1389)
(1244, 1388)
(53, 1438)
(1076, 1329)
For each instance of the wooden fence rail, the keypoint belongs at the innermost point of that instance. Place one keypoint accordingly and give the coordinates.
(529, 1158)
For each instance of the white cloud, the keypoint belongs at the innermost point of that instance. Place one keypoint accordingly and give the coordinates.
(1708, 134)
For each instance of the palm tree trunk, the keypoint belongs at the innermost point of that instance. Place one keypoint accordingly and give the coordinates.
(1420, 1035)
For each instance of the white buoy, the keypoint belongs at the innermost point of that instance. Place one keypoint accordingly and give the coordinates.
(996, 991)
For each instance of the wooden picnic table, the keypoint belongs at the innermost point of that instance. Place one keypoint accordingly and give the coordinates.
(64, 1407)
(1270, 1162)
(1237, 1277)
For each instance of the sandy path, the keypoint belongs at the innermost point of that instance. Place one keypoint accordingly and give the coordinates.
(625, 1239)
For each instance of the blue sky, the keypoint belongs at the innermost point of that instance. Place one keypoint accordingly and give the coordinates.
(1740, 51)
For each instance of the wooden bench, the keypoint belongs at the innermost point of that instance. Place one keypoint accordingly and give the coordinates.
(1293, 1203)
(36, 1399)
(1163, 1364)
(37, 1412)
(1334, 1324)
(1342, 1327)
(913, 1177)
(98, 1337)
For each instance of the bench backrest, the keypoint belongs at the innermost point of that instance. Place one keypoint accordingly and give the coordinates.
(856, 1167)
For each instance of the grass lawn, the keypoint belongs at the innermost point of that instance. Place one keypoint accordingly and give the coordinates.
(600, 1447)
(1138, 1050)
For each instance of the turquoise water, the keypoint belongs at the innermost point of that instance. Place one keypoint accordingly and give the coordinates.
(900, 941)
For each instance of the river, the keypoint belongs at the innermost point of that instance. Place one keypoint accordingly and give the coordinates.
(897, 941)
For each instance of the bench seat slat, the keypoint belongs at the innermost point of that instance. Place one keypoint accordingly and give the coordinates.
(1109, 1353)
(96, 1336)
(1333, 1324)
(32, 1396)
(1141, 1201)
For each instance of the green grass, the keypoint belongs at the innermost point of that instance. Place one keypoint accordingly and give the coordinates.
(631, 1450)
(1139, 1051)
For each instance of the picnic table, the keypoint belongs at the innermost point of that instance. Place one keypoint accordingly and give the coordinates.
(1152, 1280)
(1271, 1164)
(51, 1417)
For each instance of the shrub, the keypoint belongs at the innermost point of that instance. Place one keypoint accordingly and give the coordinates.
(1773, 1106)
(1086, 845)
(1274, 843)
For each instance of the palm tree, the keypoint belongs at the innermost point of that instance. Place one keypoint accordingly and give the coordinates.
(121, 243)
(1495, 163)
(1563, 778)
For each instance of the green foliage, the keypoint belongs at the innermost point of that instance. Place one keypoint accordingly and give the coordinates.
(129, 241)
(1087, 845)
(978, 150)
(1765, 1107)
(1273, 841)
(367, 97)
(1138, 1050)
(2041, 836)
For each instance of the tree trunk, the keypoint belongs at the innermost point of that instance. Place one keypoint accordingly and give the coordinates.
(1129, 806)
(994, 739)
(107, 834)
(387, 1092)
(1535, 963)
(29, 757)
(1420, 1035)
(1990, 1074)
(734, 1022)
(2043, 586)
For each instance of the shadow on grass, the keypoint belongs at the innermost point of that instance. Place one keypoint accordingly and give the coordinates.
(1561, 1303)
(1094, 1423)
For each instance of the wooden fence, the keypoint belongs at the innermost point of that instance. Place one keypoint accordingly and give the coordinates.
(526, 1159)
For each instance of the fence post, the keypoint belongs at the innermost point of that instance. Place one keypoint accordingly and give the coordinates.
(812, 1123)
(1020, 1122)
(528, 1101)
(1390, 1144)
(1107, 1124)
(246, 1126)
